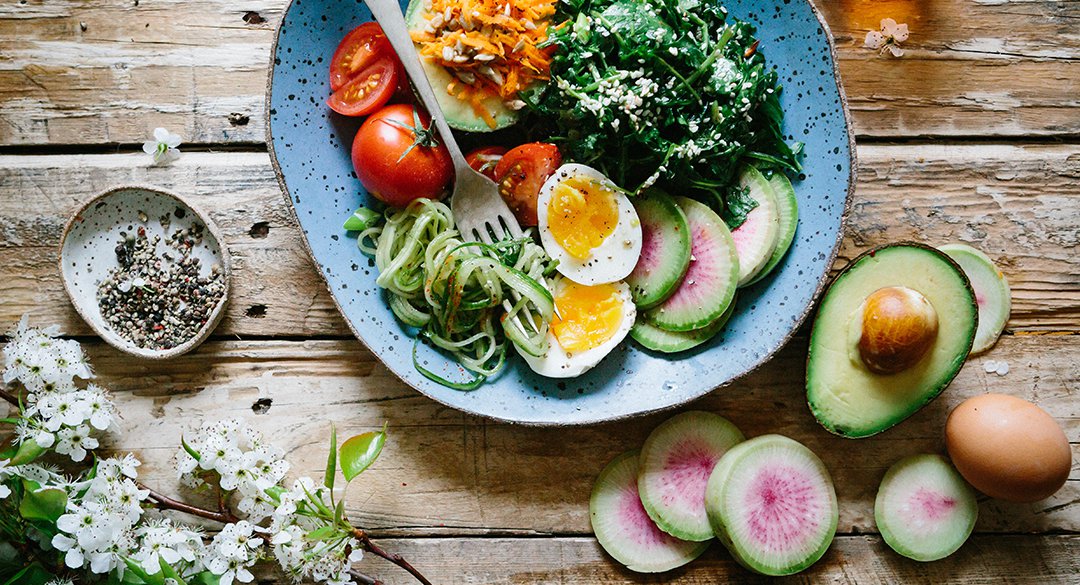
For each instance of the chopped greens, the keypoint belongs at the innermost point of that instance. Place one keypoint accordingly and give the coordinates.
(663, 91)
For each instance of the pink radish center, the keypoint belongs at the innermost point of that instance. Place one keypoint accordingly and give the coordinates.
(636, 522)
(932, 505)
(652, 245)
(782, 506)
(745, 233)
(701, 270)
(686, 473)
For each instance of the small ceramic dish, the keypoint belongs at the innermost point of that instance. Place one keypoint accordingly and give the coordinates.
(89, 253)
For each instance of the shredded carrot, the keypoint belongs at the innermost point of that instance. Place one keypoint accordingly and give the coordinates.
(489, 46)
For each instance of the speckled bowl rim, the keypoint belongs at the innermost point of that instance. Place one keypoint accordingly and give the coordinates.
(113, 338)
(853, 170)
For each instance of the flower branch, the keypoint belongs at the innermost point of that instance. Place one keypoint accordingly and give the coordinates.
(164, 502)
(105, 522)
(392, 557)
(9, 397)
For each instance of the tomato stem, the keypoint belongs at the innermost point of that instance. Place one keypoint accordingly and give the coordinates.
(421, 136)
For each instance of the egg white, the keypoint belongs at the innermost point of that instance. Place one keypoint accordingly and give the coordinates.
(559, 363)
(614, 259)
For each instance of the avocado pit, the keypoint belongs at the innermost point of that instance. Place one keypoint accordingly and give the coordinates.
(898, 325)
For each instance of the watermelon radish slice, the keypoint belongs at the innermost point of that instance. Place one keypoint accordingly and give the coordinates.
(624, 529)
(676, 461)
(665, 249)
(771, 502)
(924, 508)
(708, 287)
(652, 337)
(992, 293)
(756, 238)
(788, 207)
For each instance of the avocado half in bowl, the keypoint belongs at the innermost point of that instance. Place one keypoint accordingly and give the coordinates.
(892, 331)
(460, 115)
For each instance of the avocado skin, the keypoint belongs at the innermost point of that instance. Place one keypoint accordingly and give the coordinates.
(818, 399)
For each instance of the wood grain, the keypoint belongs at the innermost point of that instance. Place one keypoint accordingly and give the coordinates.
(1018, 203)
(446, 473)
(101, 72)
(851, 560)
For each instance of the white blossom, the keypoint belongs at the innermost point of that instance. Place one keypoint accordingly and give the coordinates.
(232, 551)
(163, 148)
(75, 441)
(888, 38)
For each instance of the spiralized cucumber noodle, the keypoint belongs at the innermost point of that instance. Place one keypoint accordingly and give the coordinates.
(467, 298)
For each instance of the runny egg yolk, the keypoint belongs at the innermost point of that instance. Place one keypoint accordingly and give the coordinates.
(582, 213)
(586, 316)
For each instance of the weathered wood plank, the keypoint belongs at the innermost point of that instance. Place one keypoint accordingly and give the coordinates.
(199, 67)
(851, 560)
(444, 472)
(1018, 203)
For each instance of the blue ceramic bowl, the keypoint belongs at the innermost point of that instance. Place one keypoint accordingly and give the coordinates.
(310, 150)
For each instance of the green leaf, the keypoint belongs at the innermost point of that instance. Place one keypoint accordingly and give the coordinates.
(33, 574)
(28, 451)
(737, 206)
(190, 450)
(205, 578)
(359, 452)
(331, 462)
(322, 533)
(275, 492)
(339, 511)
(362, 219)
(138, 571)
(170, 573)
(11, 421)
(42, 504)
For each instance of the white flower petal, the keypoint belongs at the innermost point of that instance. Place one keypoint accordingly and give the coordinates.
(74, 558)
(901, 33)
(895, 50)
(874, 40)
(149, 147)
(888, 26)
(161, 134)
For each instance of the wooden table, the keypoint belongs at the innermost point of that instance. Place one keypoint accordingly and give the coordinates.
(973, 136)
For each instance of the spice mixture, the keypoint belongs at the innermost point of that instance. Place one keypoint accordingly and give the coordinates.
(158, 300)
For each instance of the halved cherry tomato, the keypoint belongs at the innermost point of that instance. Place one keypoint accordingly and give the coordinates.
(356, 52)
(521, 173)
(395, 157)
(368, 91)
(484, 159)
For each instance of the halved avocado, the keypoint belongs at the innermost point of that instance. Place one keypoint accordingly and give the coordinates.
(853, 399)
(459, 114)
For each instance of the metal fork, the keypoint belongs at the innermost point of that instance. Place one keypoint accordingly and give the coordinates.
(479, 212)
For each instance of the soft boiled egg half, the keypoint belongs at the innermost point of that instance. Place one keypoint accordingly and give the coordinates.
(588, 225)
(590, 320)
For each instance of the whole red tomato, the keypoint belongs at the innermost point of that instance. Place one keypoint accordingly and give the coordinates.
(398, 157)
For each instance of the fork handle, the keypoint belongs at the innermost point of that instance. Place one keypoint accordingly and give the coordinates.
(388, 14)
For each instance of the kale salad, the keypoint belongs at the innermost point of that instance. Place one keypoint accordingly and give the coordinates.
(666, 92)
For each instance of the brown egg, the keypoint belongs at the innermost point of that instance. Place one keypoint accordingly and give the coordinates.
(1008, 448)
(898, 327)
